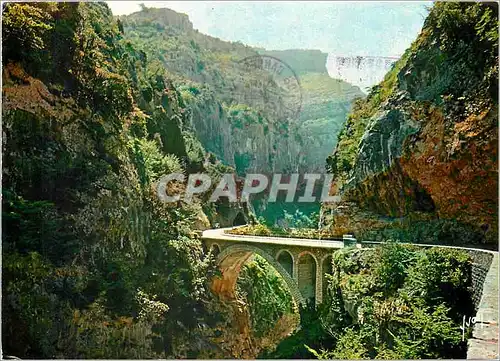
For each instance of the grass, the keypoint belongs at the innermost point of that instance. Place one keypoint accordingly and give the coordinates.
(266, 231)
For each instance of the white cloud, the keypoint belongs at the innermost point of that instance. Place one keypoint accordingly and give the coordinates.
(358, 28)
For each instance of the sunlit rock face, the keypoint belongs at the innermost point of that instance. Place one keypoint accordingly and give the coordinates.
(363, 71)
(425, 142)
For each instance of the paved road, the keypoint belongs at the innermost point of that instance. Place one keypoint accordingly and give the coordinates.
(219, 234)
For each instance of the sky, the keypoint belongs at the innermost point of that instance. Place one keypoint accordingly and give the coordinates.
(343, 28)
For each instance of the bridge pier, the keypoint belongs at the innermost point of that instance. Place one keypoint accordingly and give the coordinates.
(307, 270)
(296, 269)
(319, 283)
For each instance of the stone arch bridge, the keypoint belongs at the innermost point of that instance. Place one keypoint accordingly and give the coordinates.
(301, 262)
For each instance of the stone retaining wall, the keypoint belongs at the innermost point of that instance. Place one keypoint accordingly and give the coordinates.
(481, 262)
(484, 341)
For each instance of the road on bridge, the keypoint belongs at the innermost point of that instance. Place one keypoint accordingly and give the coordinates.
(220, 234)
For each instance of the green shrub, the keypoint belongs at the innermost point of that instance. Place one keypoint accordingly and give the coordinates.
(266, 294)
(391, 301)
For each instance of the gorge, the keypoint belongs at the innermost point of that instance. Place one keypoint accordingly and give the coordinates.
(96, 108)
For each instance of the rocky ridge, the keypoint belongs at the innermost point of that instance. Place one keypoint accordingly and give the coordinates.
(423, 145)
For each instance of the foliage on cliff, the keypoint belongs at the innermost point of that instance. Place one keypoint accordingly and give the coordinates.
(94, 265)
(266, 295)
(425, 139)
(214, 82)
(390, 302)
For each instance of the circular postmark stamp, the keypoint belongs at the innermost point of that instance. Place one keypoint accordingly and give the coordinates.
(271, 83)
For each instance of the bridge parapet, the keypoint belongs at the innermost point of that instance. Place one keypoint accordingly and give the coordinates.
(299, 261)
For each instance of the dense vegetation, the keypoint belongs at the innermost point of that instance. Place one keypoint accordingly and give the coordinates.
(96, 109)
(391, 302)
(238, 111)
(266, 295)
(298, 225)
(94, 266)
(214, 84)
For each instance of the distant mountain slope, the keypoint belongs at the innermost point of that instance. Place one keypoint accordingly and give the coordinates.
(325, 103)
(300, 60)
(245, 123)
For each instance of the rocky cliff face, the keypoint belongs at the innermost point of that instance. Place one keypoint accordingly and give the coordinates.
(163, 18)
(240, 113)
(240, 139)
(325, 105)
(423, 145)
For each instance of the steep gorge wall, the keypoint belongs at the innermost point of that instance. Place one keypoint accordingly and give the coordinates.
(242, 114)
(269, 143)
(250, 147)
(423, 145)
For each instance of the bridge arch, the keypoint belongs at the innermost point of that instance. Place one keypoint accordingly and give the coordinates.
(230, 261)
(286, 260)
(215, 250)
(239, 220)
(307, 267)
